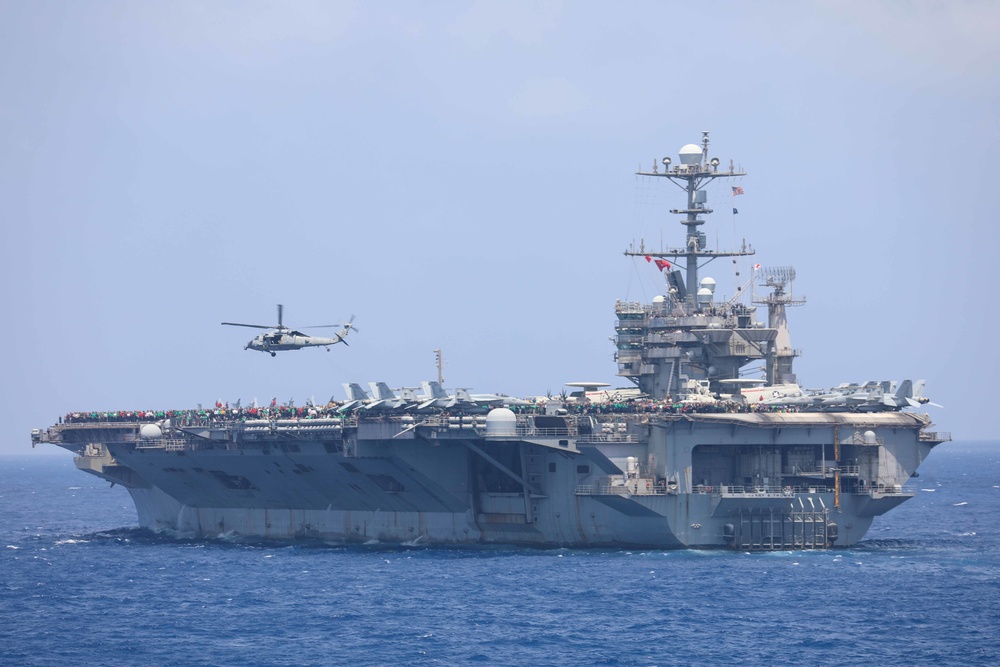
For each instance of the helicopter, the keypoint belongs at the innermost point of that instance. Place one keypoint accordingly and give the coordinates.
(278, 338)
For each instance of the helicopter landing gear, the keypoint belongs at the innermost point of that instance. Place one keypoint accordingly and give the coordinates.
(274, 354)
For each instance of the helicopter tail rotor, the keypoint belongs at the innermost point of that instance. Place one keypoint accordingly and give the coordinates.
(346, 328)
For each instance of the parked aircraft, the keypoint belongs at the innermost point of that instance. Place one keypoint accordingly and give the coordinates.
(434, 397)
(490, 400)
(383, 399)
(871, 396)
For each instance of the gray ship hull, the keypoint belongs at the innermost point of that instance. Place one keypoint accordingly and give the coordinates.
(749, 481)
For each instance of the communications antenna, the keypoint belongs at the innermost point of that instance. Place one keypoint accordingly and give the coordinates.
(440, 365)
(780, 354)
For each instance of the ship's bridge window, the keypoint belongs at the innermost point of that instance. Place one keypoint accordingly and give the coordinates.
(583, 470)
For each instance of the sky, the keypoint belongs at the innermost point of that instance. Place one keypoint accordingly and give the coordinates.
(461, 176)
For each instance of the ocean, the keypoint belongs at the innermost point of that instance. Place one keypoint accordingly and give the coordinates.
(81, 584)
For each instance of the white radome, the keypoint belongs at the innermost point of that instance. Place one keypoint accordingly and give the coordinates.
(501, 421)
(690, 154)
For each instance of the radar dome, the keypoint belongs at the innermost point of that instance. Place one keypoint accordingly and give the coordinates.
(659, 298)
(150, 431)
(708, 283)
(690, 154)
(501, 422)
(704, 295)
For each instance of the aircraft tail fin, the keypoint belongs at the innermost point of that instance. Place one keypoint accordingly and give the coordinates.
(355, 392)
(433, 389)
(918, 398)
(905, 390)
(381, 391)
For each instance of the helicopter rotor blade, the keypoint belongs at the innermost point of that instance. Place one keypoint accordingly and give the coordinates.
(343, 325)
(252, 326)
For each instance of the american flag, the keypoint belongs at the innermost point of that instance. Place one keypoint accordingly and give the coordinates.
(737, 190)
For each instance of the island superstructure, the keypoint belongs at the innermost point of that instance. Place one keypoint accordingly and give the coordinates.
(697, 456)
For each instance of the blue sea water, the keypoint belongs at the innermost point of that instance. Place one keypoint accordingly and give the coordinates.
(80, 584)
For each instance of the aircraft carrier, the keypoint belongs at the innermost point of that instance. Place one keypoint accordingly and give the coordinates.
(693, 455)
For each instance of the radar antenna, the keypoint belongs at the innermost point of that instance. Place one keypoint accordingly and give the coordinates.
(780, 354)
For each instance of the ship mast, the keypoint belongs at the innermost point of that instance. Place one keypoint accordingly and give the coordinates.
(694, 172)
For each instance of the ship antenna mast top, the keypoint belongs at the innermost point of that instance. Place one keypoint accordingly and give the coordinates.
(439, 361)
(695, 171)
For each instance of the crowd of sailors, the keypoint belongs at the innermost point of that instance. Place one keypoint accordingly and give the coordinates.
(223, 412)
(198, 415)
